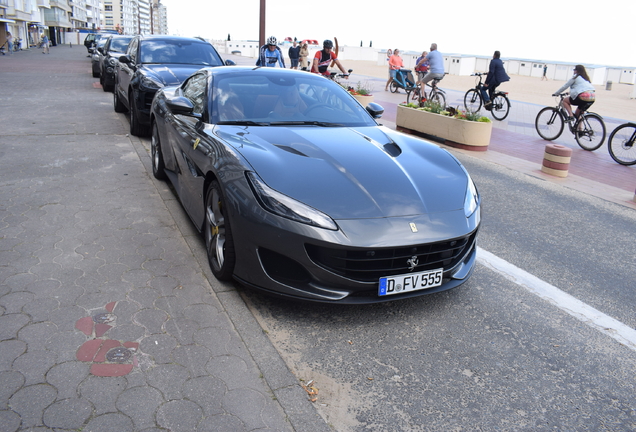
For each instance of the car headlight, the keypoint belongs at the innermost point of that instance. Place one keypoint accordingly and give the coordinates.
(150, 83)
(287, 207)
(112, 61)
(471, 201)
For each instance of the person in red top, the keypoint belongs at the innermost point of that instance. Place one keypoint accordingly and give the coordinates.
(395, 64)
(324, 57)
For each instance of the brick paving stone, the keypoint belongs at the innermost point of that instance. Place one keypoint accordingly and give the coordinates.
(29, 402)
(66, 377)
(68, 414)
(234, 402)
(9, 421)
(144, 296)
(140, 404)
(234, 372)
(9, 351)
(40, 309)
(14, 302)
(151, 319)
(110, 369)
(208, 392)
(102, 392)
(222, 422)
(34, 365)
(10, 324)
(169, 379)
(127, 332)
(109, 423)
(159, 347)
(16, 282)
(193, 357)
(36, 335)
(65, 317)
(179, 416)
(64, 344)
(181, 328)
(11, 381)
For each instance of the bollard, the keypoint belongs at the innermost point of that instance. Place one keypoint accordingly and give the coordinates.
(556, 160)
(608, 85)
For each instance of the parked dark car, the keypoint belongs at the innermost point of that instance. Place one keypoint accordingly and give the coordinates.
(152, 62)
(96, 56)
(299, 192)
(114, 48)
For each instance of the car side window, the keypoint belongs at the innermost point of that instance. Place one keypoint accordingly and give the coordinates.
(132, 50)
(194, 89)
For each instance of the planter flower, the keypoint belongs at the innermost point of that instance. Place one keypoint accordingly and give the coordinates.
(457, 128)
(362, 92)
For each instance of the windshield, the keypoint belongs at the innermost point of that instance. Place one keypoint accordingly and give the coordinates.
(179, 52)
(119, 44)
(269, 99)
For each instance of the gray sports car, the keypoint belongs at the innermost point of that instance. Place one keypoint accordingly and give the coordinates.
(299, 192)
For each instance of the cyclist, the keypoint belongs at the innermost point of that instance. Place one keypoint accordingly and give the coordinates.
(582, 92)
(324, 57)
(270, 54)
(496, 75)
(435, 69)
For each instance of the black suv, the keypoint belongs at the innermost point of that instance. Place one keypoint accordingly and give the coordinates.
(152, 62)
(111, 51)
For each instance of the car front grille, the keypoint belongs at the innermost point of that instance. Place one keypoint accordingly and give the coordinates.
(368, 265)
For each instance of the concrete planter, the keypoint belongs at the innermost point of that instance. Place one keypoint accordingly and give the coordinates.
(364, 100)
(458, 133)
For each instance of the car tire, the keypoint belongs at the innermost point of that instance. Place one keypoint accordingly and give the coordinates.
(118, 105)
(95, 74)
(158, 166)
(136, 128)
(219, 243)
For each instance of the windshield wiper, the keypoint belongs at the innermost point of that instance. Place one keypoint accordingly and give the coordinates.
(243, 123)
(311, 123)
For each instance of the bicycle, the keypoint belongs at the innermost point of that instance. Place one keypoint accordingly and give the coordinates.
(500, 107)
(588, 129)
(334, 76)
(436, 94)
(621, 144)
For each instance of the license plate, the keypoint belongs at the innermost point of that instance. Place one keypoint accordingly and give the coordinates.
(410, 282)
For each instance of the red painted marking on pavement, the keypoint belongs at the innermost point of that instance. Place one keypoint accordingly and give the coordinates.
(85, 325)
(88, 350)
(111, 370)
(110, 306)
(101, 329)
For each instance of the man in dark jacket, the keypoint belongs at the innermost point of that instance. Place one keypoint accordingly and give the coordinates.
(294, 55)
(496, 75)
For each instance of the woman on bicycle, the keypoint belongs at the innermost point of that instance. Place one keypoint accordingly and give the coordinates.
(582, 92)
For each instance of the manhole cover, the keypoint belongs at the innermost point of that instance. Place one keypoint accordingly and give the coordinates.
(118, 355)
(103, 318)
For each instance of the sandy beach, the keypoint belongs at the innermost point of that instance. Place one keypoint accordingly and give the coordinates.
(614, 103)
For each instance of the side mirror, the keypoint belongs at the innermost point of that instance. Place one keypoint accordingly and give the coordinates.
(229, 63)
(101, 50)
(375, 110)
(124, 59)
(181, 105)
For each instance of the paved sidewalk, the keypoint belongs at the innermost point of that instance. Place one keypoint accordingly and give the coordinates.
(107, 320)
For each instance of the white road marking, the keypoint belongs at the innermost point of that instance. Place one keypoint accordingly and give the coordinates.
(581, 311)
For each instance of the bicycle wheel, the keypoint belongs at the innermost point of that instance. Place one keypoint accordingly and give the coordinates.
(472, 101)
(413, 95)
(393, 86)
(621, 144)
(437, 97)
(549, 123)
(500, 107)
(589, 131)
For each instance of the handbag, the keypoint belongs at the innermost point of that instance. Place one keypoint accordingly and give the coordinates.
(588, 96)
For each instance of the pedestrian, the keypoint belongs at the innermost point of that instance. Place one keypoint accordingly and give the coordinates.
(496, 75)
(395, 64)
(389, 53)
(303, 54)
(10, 42)
(294, 55)
(270, 54)
(545, 70)
(45, 44)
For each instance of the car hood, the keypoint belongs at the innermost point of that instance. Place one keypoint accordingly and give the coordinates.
(353, 173)
(170, 74)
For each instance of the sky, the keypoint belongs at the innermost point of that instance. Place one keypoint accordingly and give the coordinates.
(580, 31)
